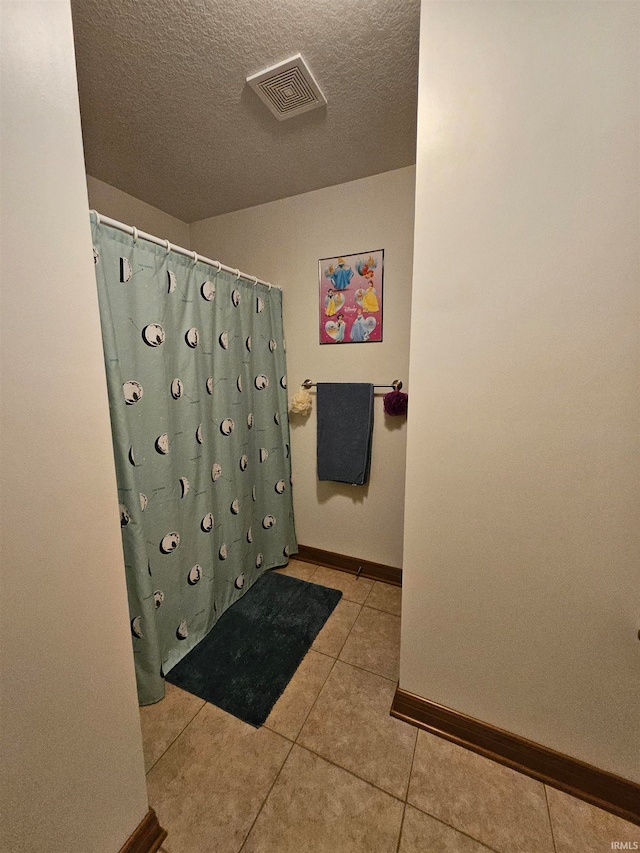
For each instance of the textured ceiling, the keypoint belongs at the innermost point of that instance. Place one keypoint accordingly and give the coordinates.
(167, 115)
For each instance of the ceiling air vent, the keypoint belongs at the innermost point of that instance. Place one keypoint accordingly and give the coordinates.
(288, 88)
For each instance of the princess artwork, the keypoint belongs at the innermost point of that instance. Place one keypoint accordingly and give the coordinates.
(370, 300)
(333, 302)
(359, 331)
(340, 275)
(351, 298)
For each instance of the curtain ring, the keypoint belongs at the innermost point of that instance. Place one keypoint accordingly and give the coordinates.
(269, 286)
(135, 234)
(195, 258)
(98, 222)
(168, 247)
(255, 281)
(237, 275)
(219, 267)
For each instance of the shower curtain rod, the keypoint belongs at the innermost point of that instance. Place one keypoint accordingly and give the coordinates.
(396, 385)
(171, 247)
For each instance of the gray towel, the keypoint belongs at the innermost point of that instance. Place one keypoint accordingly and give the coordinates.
(345, 429)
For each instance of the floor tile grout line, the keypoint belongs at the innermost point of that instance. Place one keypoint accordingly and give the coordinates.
(406, 794)
(350, 772)
(382, 610)
(413, 758)
(361, 603)
(369, 593)
(286, 737)
(377, 610)
(345, 663)
(344, 598)
(349, 631)
(337, 589)
(404, 811)
(294, 740)
(333, 764)
(407, 803)
(349, 634)
(335, 661)
(370, 671)
(183, 729)
(316, 652)
(377, 788)
(372, 606)
(315, 700)
(455, 828)
(553, 837)
(283, 570)
(337, 657)
(263, 803)
(393, 681)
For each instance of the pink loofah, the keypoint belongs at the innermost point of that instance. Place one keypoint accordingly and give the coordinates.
(395, 403)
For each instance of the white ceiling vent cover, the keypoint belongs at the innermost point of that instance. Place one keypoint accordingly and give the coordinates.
(288, 88)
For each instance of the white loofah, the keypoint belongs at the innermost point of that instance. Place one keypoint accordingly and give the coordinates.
(301, 402)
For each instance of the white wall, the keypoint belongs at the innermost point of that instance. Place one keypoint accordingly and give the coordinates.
(282, 242)
(72, 777)
(112, 202)
(520, 597)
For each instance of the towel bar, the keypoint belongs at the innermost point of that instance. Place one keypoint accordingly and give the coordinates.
(396, 385)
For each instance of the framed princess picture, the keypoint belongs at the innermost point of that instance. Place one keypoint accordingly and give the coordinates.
(351, 298)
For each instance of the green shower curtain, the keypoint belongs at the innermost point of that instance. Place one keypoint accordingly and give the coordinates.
(196, 375)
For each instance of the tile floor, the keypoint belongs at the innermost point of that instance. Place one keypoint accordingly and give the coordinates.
(332, 772)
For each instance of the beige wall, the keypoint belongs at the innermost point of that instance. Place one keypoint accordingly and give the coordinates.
(520, 598)
(282, 242)
(72, 777)
(126, 208)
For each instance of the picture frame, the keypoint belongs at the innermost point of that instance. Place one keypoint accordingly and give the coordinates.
(351, 298)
